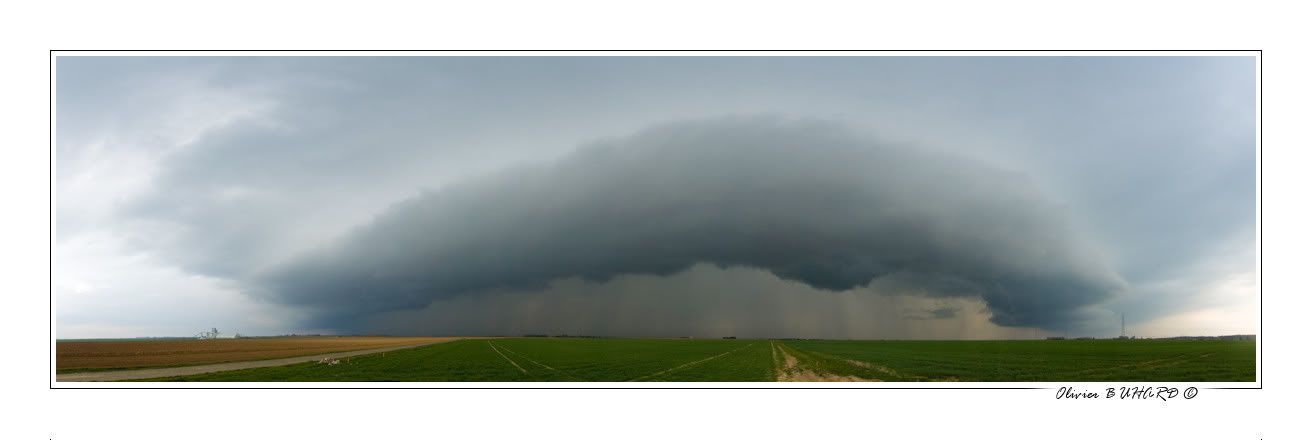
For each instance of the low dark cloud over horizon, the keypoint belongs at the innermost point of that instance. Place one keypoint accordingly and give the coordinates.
(771, 197)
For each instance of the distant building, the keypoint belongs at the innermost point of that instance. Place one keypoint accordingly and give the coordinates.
(213, 333)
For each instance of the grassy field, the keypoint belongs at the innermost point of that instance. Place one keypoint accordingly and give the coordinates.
(1038, 361)
(692, 360)
(97, 355)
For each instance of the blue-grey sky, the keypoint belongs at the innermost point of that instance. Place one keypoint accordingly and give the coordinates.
(862, 197)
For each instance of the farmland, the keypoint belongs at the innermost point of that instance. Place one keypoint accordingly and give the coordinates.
(698, 360)
(95, 355)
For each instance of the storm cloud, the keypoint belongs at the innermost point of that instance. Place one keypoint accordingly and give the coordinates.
(806, 201)
(907, 197)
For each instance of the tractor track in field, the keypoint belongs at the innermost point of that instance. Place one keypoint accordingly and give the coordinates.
(788, 369)
(503, 356)
(791, 372)
(534, 361)
(881, 369)
(690, 364)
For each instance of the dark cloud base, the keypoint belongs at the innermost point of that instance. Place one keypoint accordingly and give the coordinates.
(703, 301)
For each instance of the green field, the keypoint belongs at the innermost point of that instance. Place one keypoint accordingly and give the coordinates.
(696, 360)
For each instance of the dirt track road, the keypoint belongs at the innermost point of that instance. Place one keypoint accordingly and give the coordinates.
(154, 373)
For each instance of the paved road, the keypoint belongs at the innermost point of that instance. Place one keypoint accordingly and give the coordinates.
(152, 373)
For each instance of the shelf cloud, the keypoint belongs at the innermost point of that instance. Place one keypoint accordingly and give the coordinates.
(806, 201)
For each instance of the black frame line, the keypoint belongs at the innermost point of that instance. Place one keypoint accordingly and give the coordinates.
(51, 208)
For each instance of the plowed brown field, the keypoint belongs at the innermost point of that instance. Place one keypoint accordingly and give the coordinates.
(95, 355)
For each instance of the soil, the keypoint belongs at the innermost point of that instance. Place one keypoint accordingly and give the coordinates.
(790, 371)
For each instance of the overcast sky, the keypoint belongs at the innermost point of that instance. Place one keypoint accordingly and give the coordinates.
(841, 197)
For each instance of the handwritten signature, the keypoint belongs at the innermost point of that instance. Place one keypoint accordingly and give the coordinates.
(1128, 393)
